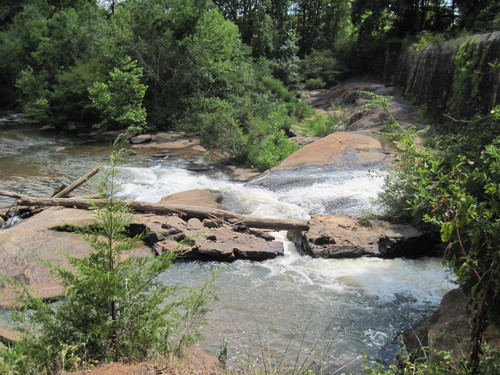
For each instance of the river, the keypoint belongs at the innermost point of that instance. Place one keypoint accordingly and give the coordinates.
(329, 311)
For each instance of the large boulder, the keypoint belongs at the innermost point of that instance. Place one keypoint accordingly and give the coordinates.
(339, 149)
(448, 328)
(345, 237)
(198, 197)
(24, 245)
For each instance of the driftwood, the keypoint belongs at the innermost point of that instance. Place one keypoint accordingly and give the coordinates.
(77, 183)
(163, 209)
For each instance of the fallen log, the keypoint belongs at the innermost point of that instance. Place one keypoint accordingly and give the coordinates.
(163, 209)
(77, 183)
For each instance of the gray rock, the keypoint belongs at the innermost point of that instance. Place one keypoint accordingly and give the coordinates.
(344, 237)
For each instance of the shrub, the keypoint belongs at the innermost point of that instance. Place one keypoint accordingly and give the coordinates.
(270, 151)
(319, 67)
(320, 126)
(119, 100)
(314, 83)
(426, 38)
(459, 194)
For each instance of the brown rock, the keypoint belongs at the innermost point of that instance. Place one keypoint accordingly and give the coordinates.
(241, 174)
(342, 149)
(221, 243)
(47, 128)
(8, 334)
(194, 224)
(32, 239)
(143, 138)
(198, 197)
(448, 328)
(344, 237)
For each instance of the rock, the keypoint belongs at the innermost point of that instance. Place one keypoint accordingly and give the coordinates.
(74, 127)
(175, 142)
(47, 128)
(197, 197)
(9, 335)
(168, 136)
(220, 243)
(110, 135)
(194, 167)
(210, 223)
(448, 328)
(344, 237)
(32, 239)
(340, 149)
(160, 155)
(143, 138)
(194, 224)
(241, 174)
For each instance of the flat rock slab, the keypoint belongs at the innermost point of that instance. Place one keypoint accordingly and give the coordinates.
(207, 240)
(340, 149)
(172, 141)
(344, 237)
(22, 247)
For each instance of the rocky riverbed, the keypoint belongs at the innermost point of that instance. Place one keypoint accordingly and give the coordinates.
(323, 183)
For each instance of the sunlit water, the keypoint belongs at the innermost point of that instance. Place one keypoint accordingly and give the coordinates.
(294, 306)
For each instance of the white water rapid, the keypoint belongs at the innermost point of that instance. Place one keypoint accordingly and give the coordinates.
(329, 311)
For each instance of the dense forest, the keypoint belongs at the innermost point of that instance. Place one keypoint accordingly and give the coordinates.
(224, 69)
(231, 72)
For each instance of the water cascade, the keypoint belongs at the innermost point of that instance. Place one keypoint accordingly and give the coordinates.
(294, 306)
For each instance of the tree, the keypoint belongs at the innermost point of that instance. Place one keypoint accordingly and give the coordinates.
(119, 100)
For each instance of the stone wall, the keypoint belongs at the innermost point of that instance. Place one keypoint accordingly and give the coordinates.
(458, 78)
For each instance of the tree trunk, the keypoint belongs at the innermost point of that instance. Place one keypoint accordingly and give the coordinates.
(77, 183)
(163, 209)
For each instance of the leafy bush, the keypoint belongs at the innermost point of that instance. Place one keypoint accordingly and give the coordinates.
(270, 150)
(459, 194)
(314, 83)
(426, 38)
(219, 129)
(320, 126)
(120, 98)
(319, 67)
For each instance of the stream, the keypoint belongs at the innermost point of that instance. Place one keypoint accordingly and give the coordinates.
(294, 308)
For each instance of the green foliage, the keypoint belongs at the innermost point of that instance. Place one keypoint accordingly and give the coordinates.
(457, 188)
(427, 38)
(320, 126)
(115, 306)
(220, 129)
(120, 98)
(319, 67)
(266, 151)
(285, 65)
(439, 363)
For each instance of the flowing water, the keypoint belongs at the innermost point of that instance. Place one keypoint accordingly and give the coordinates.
(294, 306)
